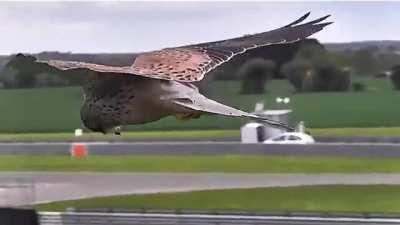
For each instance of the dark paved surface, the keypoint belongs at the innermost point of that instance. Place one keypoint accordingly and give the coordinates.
(53, 218)
(209, 148)
(19, 188)
(393, 139)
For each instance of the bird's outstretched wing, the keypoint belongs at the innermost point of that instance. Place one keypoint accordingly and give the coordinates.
(190, 63)
(201, 103)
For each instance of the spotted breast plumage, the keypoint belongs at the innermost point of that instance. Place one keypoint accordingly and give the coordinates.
(160, 83)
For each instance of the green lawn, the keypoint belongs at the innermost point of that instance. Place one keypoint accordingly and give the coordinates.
(126, 136)
(39, 110)
(175, 135)
(375, 198)
(375, 107)
(226, 163)
(361, 132)
(57, 109)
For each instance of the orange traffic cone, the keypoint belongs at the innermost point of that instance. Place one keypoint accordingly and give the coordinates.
(79, 150)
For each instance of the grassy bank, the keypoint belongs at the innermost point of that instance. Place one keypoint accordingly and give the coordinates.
(126, 136)
(375, 198)
(356, 131)
(176, 135)
(57, 109)
(229, 163)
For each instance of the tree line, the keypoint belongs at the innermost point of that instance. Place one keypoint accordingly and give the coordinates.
(314, 69)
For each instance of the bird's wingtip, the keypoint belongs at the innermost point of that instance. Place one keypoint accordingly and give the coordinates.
(325, 24)
(299, 20)
(307, 14)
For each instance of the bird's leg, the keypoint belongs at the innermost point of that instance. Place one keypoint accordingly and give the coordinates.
(117, 130)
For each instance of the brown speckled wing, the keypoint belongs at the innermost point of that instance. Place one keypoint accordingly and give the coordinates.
(180, 64)
(190, 63)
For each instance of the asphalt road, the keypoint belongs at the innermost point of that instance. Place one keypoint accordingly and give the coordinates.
(55, 218)
(208, 148)
(27, 188)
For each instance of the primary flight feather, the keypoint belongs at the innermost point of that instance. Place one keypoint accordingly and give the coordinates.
(159, 83)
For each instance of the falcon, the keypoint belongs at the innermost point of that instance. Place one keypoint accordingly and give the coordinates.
(162, 83)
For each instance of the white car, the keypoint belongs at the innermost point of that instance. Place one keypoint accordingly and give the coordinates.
(291, 138)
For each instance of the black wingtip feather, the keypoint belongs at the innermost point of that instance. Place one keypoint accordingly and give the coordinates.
(318, 20)
(299, 20)
(322, 25)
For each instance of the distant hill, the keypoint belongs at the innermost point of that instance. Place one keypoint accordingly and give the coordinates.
(380, 46)
(4, 59)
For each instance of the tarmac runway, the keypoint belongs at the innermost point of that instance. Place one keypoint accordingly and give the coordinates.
(208, 148)
(97, 218)
(27, 188)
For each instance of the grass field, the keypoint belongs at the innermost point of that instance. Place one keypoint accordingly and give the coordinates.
(175, 135)
(229, 163)
(361, 132)
(57, 109)
(376, 107)
(126, 136)
(376, 198)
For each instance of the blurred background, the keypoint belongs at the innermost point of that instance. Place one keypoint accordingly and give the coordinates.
(348, 75)
(343, 83)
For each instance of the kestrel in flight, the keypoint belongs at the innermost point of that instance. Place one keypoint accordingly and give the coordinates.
(161, 83)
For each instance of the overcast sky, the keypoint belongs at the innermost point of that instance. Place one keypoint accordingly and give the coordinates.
(141, 26)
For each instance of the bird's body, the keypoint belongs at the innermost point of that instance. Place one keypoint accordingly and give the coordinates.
(128, 102)
(121, 101)
(161, 83)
